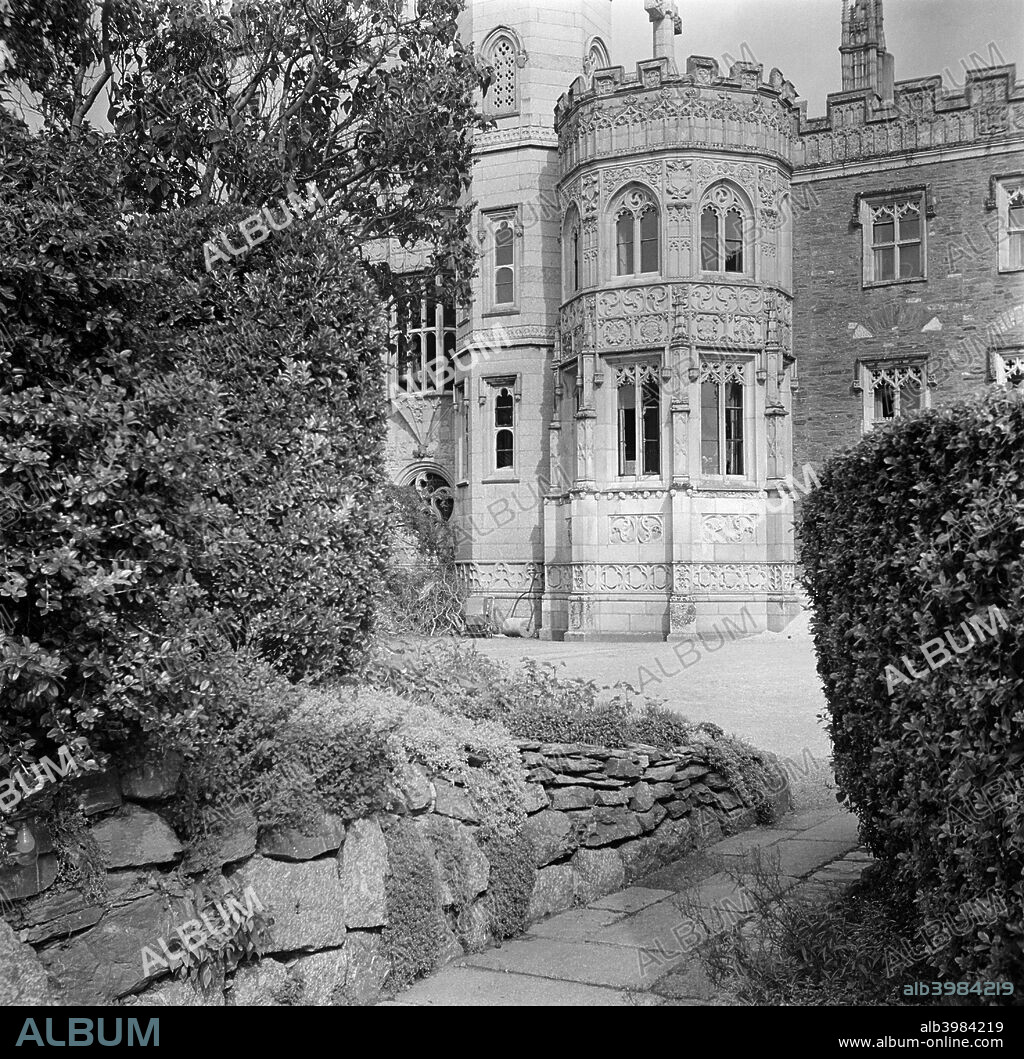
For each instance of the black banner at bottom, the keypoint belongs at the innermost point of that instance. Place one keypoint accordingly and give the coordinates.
(803, 1031)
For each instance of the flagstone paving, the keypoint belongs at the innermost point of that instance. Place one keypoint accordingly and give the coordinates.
(635, 947)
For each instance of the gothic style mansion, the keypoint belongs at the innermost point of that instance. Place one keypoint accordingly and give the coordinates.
(690, 293)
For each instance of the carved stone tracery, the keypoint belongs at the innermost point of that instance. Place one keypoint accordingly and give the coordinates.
(636, 529)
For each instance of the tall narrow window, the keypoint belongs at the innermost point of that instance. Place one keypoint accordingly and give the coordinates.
(637, 234)
(503, 413)
(722, 392)
(638, 396)
(423, 345)
(723, 220)
(624, 245)
(502, 96)
(894, 239)
(576, 259)
(1010, 199)
(462, 431)
(1015, 226)
(573, 244)
(733, 241)
(504, 264)
(649, 241)
(709, 253)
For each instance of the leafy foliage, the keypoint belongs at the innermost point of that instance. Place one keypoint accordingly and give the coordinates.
(804, 950)
(424, 594)
(178, 472)
(477, 754)
(914, 532)
(533, 700)
(372, 102)
(233, 934)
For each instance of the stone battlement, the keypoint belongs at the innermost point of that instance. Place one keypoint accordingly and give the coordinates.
(701, 71)
(922, 116)
(660, 108)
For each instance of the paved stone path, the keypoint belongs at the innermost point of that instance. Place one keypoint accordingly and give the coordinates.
(635, 947)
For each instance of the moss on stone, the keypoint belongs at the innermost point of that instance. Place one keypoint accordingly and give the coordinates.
(513, 877)
(416, 926)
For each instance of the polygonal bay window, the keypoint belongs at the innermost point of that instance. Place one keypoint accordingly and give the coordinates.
(423, 345)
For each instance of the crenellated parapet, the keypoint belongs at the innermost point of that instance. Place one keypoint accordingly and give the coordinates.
(611, 113)
(922, 116)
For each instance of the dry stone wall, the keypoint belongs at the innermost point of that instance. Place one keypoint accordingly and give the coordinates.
(598, 819)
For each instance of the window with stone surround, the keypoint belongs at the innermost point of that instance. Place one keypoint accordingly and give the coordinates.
(892, 389)
(724, 219)
(894, 237)
(1010, 203)
(502, 234)
(423, 345)
(504, 56)
(638, 411)
(1010, 367)
(637, 233)
(597, 57)
(502, 398)
(723, 386)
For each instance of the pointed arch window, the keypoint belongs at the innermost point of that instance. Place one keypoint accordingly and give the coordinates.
(504, 57)
(597, 57)
(637, 234)
(723, 227)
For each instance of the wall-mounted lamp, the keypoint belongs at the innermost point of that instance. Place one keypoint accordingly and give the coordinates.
(25, 844)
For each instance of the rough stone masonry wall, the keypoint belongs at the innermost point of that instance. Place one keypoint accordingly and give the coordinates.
(598, 819)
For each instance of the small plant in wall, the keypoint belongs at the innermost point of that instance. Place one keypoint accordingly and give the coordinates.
(226, 927)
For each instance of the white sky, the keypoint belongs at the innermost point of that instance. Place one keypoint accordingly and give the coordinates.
(801, 37)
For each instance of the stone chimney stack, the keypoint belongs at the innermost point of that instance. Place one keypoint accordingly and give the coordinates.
(664, 15)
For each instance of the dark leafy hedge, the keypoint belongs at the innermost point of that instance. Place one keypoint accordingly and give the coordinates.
(189, 460)
(910, 541)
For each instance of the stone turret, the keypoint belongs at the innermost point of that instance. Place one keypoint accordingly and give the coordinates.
(866, 63)
(673, 385)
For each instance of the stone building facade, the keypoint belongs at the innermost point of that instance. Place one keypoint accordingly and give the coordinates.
(689, 295)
